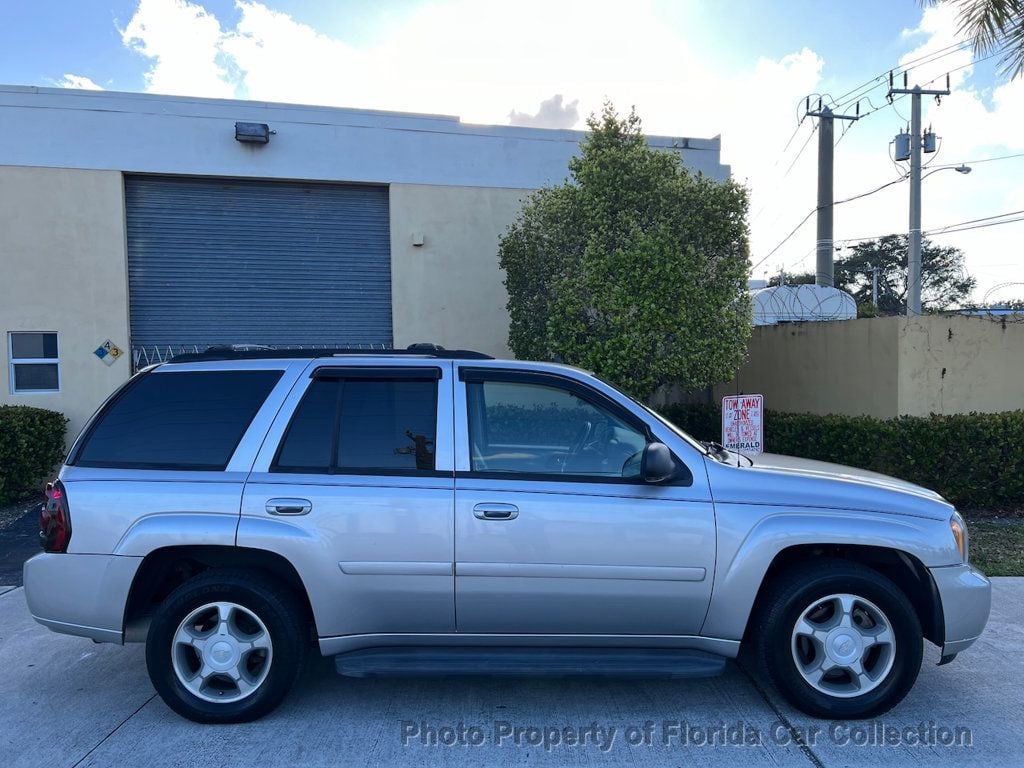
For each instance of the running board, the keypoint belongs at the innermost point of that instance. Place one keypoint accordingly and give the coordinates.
(439, 661)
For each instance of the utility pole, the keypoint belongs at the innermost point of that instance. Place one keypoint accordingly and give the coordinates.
(874, 286)
(914, 255)
(824, 272)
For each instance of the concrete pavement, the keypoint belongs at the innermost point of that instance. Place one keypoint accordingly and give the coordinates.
(69, 702)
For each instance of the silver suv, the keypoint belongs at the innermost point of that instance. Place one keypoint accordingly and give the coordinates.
(443, 512)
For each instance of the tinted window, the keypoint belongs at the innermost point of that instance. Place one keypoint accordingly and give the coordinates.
(36, 377)
(308, 444)
(540, 429)
(34, 364)
(181, 420)
(34, 345)
(362, 425)
(387, 425)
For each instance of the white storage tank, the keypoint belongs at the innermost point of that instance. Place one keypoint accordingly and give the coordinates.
(801, 303)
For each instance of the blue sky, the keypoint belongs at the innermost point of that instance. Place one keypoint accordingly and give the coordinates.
(691, 67)
(83, 36)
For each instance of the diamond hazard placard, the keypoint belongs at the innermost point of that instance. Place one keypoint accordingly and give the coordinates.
(743, 423)
(108, 352)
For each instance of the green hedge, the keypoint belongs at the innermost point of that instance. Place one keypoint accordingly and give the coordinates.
(975, 460)
(31, 446)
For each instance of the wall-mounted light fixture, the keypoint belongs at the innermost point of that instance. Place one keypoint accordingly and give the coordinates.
(253, 133)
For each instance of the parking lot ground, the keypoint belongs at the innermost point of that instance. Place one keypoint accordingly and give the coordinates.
(69, 702)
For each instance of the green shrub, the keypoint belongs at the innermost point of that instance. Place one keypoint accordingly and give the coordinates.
(31, 446)
(975, 460)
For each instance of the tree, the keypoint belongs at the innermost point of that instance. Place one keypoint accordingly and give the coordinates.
(633, 267)
(798, 278)
(993, 26)
(944, 281)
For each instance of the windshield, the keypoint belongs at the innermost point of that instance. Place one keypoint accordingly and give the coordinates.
(700, 446)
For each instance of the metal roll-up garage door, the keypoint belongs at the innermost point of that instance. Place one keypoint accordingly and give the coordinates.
(221, 261)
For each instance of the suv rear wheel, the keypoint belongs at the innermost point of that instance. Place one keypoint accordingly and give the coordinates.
(839, 640)
(225, 647)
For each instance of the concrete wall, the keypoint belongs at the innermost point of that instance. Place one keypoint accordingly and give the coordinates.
(62, 251)
(449, 290)
(886, 367)
(822, 367)
(961, 364)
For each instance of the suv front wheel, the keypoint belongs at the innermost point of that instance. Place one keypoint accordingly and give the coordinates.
(839, 640)
(225, 647)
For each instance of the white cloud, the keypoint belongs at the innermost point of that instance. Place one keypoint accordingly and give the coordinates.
(485, 61)
(184, 42)
(81, 82)
(553, 113)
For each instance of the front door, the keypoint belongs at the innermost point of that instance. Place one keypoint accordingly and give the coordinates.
(556, 533)
(354, 486)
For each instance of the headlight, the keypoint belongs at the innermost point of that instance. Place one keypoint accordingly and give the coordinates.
(959, 529)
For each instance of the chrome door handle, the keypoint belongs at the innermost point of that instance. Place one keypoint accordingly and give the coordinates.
(289, 506)
(496, 511)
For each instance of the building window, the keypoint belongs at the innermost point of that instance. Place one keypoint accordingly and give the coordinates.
(35, 365)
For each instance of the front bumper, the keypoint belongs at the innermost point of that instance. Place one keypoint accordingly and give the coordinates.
(966, 597)
(81, 595)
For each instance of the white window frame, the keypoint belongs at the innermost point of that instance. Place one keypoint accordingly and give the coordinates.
(12, 362)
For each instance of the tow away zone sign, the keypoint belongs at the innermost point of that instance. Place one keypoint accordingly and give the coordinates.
(743, 423)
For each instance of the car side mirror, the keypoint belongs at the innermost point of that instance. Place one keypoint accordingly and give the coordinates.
(658, 465)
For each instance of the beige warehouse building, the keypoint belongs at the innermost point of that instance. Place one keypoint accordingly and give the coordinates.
(152, 224)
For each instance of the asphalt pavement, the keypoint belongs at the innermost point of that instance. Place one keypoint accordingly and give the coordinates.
(68, 702)
(19, 539)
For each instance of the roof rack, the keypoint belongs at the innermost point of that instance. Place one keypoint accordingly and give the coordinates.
(259, 352)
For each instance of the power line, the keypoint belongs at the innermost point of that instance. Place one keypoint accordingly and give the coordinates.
(982, 160)
(855, 95)
(861, 91)
(872, 191)
(815, 209)
(785, 239)
(880, 79)
(976, 226)
(960, 225)
(948, 229)
(782, 179)
(802, 148)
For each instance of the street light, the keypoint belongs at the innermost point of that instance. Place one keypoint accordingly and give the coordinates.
(962, 169)
(914, 255)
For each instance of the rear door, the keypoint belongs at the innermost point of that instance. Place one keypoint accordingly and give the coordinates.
(555, 531)
(354, 486)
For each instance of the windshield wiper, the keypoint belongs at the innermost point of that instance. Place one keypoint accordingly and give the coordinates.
(721, 453)
(716, 449)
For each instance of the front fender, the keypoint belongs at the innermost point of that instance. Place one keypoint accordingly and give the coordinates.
(750, 537)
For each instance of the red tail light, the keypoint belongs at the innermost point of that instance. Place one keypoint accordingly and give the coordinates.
(55, 519)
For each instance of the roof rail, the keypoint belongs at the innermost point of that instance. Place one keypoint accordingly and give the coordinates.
(260, 352)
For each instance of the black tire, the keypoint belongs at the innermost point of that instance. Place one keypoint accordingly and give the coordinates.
(270, 601)
(795, 590)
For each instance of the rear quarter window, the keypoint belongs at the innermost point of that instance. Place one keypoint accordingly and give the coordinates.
(179, 420)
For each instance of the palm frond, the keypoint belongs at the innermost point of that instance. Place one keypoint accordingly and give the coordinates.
(993, 26)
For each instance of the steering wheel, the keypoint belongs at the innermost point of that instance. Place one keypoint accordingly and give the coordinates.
(582, 436)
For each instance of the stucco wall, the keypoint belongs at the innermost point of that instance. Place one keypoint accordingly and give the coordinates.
(62, 251)
(960, 364)
(449, 290)
(822, 367)
(887, 367)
